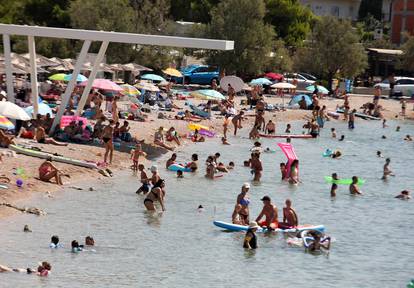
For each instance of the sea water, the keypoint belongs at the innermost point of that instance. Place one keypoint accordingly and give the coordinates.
(373, 233)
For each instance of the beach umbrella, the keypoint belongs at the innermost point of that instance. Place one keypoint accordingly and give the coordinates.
(261, 82)
(172, 72)
(295, 99)
(274, 76)
(103, 84)
(321, 89)
(43, 110)
(80, 78)
(208, 94)
(12, 111)
(234, 81)
(283, 85)
(5, 123)
(130, 90)
(152, 77)
(147, 86)
(58, 77)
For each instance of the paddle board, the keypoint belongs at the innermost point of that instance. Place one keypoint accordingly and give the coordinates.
(299, 136)
(237, 228)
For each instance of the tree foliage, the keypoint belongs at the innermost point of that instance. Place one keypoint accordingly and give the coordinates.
(193, 10)
(407, 59)
(370, 7)
(241, 21)
(290, 19)
(333, 48)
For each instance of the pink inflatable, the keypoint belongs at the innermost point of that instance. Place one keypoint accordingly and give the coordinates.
(288, 150)
(65, 121)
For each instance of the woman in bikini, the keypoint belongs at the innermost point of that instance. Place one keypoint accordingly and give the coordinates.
(157, 194)
(107, 137)
(48, 171)
(241, 210)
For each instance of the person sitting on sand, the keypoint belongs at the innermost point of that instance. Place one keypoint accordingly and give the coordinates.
(107, 138)
(269, 211)
(386, 170)
(290, 218)
(404, 195)
(353, 188)
(250, 239)
(294, 172)
(193, 164)
(172, 135)
(48, 171)
(124, 132)
(224, 141)
(145, 188)
(42, 139)
(237, 120)
(257, 167)
(302, 103)
(157, 194)
(159, 139)
(408, 138)
(197, 137)
(270, 127)
(171, 160)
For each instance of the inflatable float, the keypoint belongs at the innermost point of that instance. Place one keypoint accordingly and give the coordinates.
(327, 153)
(238, 228)
(360, 115)
(344, 181)
(178, 167)
(288, 150)
(44, 155)
(193, 127)
(298, 136)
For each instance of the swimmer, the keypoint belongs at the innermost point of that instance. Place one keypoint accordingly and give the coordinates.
(171, 161)
(283, 171)
(336, 154)
(294, 173)
(224, 141)
(145, 188)
(288, 127)
(230, 166)
(157, 194)
(342, 138)
(180, 174)
(404, 195)
(408, 138)
(387, 171)
(398, 129)
(54, 242)
(288, 140)
(384, 123)
(379, 154)
(333, 133)
(318, 242)
(200, 208)
(193, 164)
(270, 127)
(89, 241)
(353, 188)
(222, 168)
(290, 218)
(250, 239)
(334, 186)
(257, 147)
(44, 269)
(268, 150)
(269, 211)
(241, 213)
(384, 137)
(26, 228)
(76, 248)
(256, 165)
(246, 163)
(211, 167)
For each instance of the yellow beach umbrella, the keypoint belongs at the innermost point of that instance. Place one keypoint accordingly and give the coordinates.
(172, 72)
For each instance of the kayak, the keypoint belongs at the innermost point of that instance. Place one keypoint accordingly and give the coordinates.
(238, 228)
(304, 136)
(361, 115)
(348, 181)
(44, 155)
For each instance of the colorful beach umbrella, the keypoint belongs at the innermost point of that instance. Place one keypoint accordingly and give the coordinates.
(234, 81)
(208, 94)
(130, 90)
(321, 89)
(5, 123)
(44, 109)
(12, 111)
(172, 72)
(57, 77)
(295, 99)
(147, 86)
(261, 82)
(153, 77)
(104, 84)
(283, 85)
(80, 78)
(274, 76)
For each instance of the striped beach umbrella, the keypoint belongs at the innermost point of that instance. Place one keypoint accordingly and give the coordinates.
(5, 123)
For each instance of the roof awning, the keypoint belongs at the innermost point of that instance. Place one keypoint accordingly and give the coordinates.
(386, 51)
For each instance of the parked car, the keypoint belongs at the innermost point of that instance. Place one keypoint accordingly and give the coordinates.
(404, 87)
(308, 76)
(198, 74)
(385, 84)
(303, 82)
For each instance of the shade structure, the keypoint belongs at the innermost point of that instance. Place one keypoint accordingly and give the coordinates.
(283, 85)
(321, 89)
(208, 94)
(58, 77)
(153, 77)
(103, 84)
(5, 123)
(260, 81)
(130, 90)
(172, 72)
(44, 109)
(295, 99)
(80, 78)
(12, 111)
(274, 76)
(147, 86)
(234, 81)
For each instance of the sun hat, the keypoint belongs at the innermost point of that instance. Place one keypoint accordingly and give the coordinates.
(246, 185)
(253, 224)
(266, 198)
(154, 168)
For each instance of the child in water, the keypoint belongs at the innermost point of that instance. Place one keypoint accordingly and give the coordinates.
(333, 133)
(180, 174)
(334, 186)
(404, 195)
(283, 171)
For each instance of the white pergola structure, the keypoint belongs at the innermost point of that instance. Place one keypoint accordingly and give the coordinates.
(87, 36)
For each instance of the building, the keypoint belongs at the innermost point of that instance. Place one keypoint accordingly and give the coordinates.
(402, 19)
(343, 9)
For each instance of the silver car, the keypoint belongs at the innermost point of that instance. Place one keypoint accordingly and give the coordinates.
(302, 81)
(385, 84)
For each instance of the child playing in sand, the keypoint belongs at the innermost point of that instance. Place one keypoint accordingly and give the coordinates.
(135, 156)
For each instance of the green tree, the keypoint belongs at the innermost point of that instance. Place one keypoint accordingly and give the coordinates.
(370, 7)
(333, 48)
(407, 59)
(241, 21)
(51, 13)
(193, 10)
(290, 19)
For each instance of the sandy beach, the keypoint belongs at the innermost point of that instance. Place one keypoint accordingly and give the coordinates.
(145, 131)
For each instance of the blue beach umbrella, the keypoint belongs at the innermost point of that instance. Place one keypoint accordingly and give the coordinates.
(153, 77)
(297, 98)
(261, 81)
(321, 89)
(80, 78)
(208, 94)
(43, 110)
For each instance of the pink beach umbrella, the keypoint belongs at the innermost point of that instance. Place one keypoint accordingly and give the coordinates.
(104, 84)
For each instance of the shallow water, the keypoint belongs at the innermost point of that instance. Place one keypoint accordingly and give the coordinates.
(374, 233)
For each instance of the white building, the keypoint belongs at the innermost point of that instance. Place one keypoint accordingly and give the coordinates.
(344, 9)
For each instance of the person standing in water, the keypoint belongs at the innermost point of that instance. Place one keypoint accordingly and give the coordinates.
(256, 166)
(250, 240)
(290, 218)
(157, 194)
(270, 127)
(387, 171)
(294, 172)
(353, 188)
(333, 133)
(145, 188)
(269, 211)
(241, 210)
(351, 121)
(237, 120)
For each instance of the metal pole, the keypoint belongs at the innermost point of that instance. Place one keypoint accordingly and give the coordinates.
(92, 76)
(71, 84)
(9, 72)
(33, 75)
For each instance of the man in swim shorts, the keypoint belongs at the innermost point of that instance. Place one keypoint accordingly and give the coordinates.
(353, 188)
(270, 127)
(269, 211)
(290, 218)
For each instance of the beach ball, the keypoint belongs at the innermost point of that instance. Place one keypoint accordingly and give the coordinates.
(19, 183)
